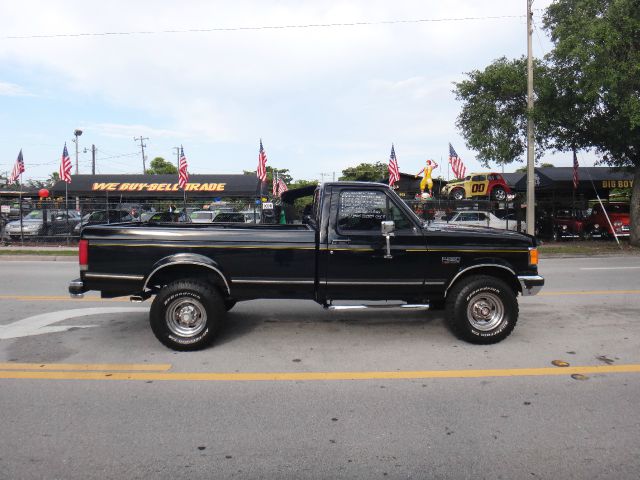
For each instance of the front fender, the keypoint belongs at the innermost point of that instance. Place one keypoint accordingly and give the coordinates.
(480, 264)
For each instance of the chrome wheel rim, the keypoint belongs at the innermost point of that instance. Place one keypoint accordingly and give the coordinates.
(186, 317)
(500, 194)
(458, 195)
(485, 311)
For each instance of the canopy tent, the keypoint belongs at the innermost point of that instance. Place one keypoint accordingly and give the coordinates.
(159, 186)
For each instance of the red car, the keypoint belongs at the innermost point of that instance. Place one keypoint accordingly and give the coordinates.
(596, 224)
(568, 224)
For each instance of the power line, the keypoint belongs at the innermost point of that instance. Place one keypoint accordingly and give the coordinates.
(262, 27)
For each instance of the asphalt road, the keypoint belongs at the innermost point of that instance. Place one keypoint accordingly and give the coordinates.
(292, 391)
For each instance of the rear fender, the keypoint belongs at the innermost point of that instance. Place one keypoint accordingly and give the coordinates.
(189, 262)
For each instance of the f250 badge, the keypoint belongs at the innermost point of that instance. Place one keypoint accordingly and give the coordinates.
(450, 260)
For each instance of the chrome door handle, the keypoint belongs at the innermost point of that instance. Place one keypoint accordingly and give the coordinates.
(341, 241)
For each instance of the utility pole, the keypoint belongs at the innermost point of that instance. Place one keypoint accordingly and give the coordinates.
(531, 184)
(177, 149)
(76, 133)
(141, 139)
(93, 158)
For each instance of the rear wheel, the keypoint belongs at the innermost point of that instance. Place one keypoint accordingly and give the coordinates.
(187, 314)
(482, 309)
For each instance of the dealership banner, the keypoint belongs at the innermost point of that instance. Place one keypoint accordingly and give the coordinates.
(161, 186)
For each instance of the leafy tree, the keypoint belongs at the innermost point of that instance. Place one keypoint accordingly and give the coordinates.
(366, 172)
(283, 173)
(587, 92)
(159, 166)
(597, 59)
(542, 165)
(494, 116)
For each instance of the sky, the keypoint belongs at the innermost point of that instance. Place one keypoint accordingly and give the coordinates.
(321, 98)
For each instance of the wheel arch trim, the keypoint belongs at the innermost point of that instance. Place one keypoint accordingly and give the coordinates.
(476, 266)
(187, 259)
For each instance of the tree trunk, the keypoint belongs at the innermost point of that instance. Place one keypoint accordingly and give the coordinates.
(635, 209)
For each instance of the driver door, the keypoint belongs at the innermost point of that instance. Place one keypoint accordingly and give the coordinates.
(357, 268)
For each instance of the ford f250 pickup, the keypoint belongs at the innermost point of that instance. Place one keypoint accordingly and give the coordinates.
(361, 242)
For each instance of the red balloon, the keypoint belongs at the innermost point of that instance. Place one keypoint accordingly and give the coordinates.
(43, 193)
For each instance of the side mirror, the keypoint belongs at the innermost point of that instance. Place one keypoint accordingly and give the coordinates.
(387, 226)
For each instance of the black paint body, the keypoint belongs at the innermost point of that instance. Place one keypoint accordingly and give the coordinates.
(316, 261)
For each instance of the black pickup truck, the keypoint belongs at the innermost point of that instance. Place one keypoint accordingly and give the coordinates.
(361, 243)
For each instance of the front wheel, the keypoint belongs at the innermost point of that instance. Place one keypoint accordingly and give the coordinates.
(457, 194)
(482, 309)
(499, 194)
(187, 314)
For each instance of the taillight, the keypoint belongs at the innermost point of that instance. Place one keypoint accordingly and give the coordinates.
(83, 254)
(533, 256)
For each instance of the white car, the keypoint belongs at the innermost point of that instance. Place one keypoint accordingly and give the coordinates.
(484, 219)
(203, 216)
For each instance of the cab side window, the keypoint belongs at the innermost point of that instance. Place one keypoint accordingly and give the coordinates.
(363, 210)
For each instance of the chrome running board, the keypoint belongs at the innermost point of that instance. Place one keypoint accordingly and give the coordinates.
(405, 306)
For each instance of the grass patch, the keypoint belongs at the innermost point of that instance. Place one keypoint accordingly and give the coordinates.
(51, 253)
(587, 248)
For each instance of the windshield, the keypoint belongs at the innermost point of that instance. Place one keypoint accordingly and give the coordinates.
(34, 215)
(201, 215)
(617, 208)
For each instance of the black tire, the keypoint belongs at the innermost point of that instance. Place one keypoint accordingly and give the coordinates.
(457, 194)
(229, 303)
(482, 296)
(202, 309)
(498, 194)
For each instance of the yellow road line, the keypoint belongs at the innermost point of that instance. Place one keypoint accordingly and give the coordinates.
(108, 367)
(314, 376)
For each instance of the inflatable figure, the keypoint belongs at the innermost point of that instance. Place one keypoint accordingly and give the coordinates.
(427, 181)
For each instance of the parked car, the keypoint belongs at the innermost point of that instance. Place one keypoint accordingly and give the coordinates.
(489, 184)
(202, 216)
(567, 225)
(245, 216)
(100, 217)
(596, 224)
(483, 219)
(33, 224)
(169, 217)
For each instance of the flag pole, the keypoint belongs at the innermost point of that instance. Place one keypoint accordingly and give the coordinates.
(66, 202)
(21, 232)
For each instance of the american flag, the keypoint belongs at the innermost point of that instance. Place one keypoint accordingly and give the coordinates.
(65, 165)
(183, 173)
(576, 179)
(394, 171)
(282, 187)
(261, 171)
(459, 170)
(279, 187)
(18, 169)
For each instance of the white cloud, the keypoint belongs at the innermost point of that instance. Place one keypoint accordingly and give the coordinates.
(13, 90)
(360, 85)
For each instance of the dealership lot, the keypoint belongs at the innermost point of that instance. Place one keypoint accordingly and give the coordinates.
(292, 391)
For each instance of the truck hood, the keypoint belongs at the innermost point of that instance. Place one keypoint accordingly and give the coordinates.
(468, 235)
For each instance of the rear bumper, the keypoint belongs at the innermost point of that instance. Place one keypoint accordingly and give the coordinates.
(76, 288)
(530, 284)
